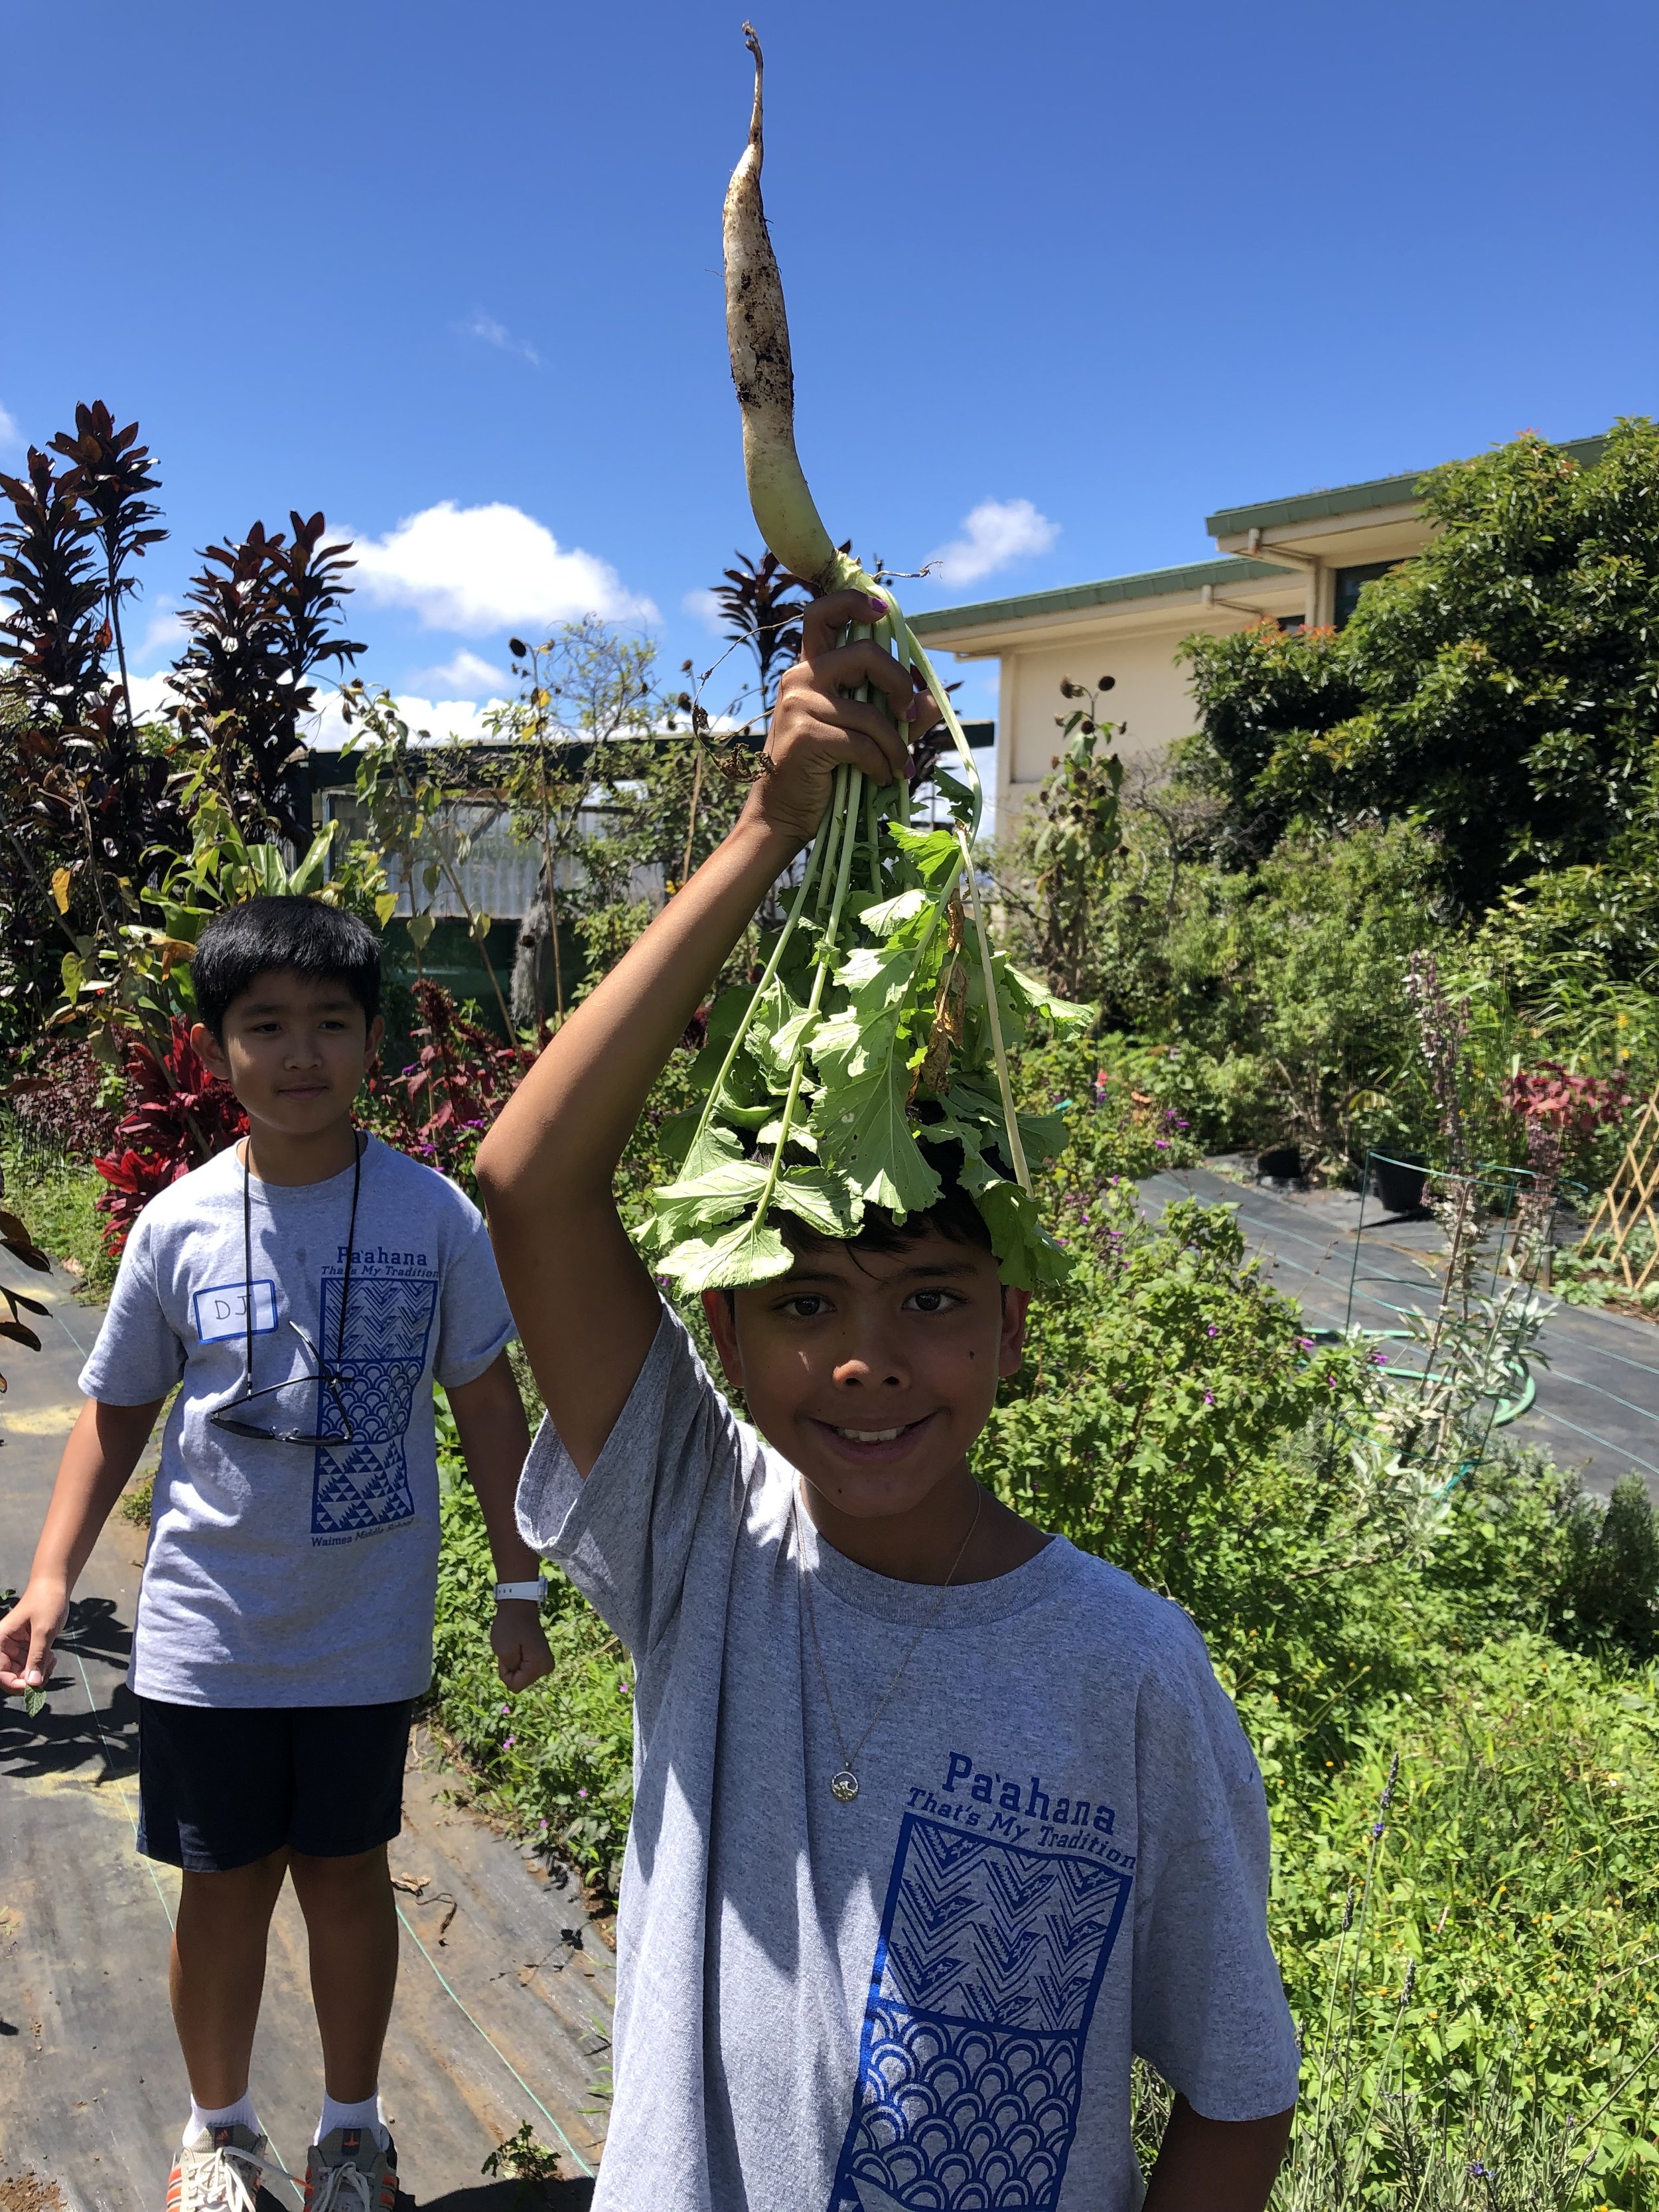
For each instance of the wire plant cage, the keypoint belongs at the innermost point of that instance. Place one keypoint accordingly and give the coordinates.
(1468, 1355)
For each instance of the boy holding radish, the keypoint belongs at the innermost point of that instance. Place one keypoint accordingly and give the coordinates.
(938, 1820)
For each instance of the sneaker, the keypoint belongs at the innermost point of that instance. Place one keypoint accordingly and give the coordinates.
(348, 2172)
(221, 2174)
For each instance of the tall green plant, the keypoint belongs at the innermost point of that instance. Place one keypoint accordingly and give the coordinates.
(1058, 869)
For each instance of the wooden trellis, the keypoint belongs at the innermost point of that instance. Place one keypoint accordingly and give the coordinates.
(1632, 1201)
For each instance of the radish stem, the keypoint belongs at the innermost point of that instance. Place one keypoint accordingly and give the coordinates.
(849, 819)
(717, 1088)
(1010, 1118)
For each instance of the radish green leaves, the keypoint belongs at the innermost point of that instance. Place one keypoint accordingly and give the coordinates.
(867, 1059)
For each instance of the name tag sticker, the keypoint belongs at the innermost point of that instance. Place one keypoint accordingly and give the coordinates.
(221, 1311)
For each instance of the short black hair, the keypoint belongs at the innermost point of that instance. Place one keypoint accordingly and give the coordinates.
(953, 1214)
(322, 942)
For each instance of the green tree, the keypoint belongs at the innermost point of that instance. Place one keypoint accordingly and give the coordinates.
(1500, 688)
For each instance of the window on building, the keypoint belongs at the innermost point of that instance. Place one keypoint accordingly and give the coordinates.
(1348, 583)
(1291, 622)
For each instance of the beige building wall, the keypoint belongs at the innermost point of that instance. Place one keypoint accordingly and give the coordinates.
(1150, 694)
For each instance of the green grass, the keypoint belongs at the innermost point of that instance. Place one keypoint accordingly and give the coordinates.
(56, 1197)
(557, 1762)
(135, 1505)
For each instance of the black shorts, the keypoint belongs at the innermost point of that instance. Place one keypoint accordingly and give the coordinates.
(219, 1786)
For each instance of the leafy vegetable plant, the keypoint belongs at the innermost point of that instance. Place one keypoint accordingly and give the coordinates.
(875, 1040)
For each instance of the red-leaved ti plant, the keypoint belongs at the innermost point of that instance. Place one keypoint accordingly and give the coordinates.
(177, 1115)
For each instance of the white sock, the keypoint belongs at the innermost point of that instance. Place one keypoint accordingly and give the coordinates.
(204, 2118)
(365, 2115)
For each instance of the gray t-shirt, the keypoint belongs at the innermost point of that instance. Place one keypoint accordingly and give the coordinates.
(1057, 1856)
(282, 1574)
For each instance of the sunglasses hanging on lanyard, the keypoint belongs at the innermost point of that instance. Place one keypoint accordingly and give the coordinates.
(330, 1378)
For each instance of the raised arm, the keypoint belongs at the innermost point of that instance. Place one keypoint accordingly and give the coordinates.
(586, 1306)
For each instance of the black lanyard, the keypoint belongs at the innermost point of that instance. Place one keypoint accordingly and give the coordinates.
(359, 1148)
(326, 1379)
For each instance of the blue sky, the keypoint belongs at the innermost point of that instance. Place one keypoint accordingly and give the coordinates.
(452, 275)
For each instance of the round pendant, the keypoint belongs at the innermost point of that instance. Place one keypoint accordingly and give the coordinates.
(844, 1786)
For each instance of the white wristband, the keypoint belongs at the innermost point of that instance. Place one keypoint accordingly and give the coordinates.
(531, 1590)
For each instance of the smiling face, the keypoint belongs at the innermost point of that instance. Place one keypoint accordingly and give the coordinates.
(295, 1049)
(873, 1372)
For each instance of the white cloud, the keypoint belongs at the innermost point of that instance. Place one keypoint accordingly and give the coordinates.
(10, 436)
(151, 695)
(163, 633)
(480, 568)
(483, 326)
(707, 608)
(997, 532)
(439, 719)
(467, 676)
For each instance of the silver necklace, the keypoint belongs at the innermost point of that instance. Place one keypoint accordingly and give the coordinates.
(844, 1785)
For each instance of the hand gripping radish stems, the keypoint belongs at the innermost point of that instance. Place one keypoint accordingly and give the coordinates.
(843, 1016)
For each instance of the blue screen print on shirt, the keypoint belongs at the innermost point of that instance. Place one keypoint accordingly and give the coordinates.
(989, 1962)
(363, 1485)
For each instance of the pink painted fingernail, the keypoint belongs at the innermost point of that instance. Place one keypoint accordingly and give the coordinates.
(880, 605)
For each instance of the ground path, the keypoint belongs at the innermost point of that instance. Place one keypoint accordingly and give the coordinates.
(1597, 1379)
(92, 2089)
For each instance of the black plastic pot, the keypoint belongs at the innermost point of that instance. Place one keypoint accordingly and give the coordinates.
(1283, 1164)
(1400, 1183)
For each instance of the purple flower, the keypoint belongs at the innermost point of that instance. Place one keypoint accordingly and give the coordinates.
(507, 1743)
(581, 1793)
(1212, 1330)
(1209, 1397)
(1161, 1144)
(1306, 1342)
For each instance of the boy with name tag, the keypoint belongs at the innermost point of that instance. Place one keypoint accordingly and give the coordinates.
(304, 1290)
(938, 1821)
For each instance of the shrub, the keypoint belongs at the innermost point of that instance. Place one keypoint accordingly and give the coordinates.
(1490, 1928)
(438, 1108)
(68, 1101)
(1129, 1111)
(1498, 688)
(1172, 1416)
(1607, 1599)
(178, 1116)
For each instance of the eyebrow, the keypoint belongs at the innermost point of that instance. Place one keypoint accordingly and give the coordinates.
(286, 1006)
(923, 1272)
